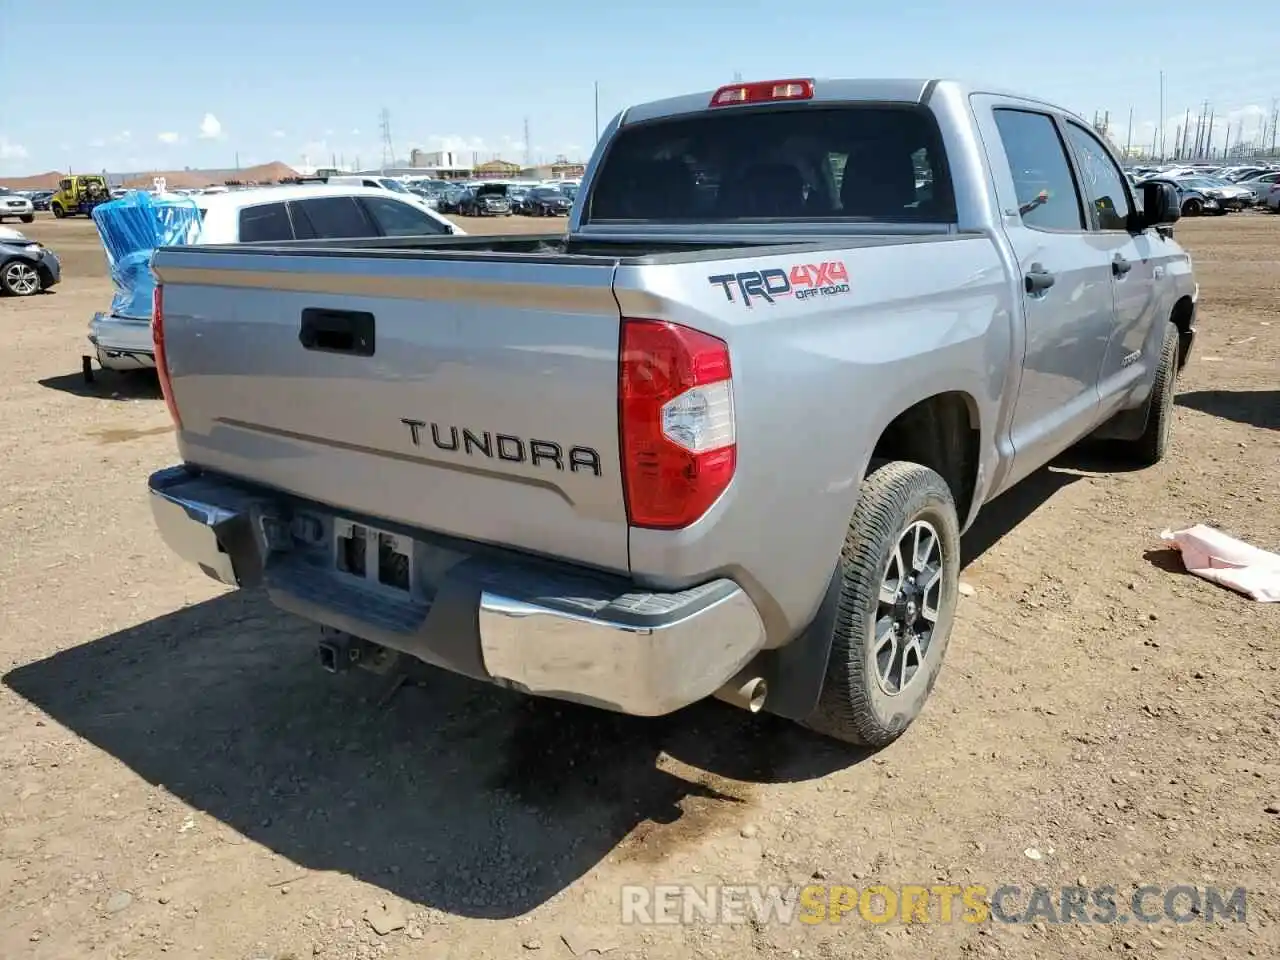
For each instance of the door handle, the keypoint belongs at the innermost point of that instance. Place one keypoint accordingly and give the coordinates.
(337, 331)
(1120, 266)
(1038, 279)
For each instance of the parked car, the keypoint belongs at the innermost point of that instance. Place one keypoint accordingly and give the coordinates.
(547, 202)
(16, 206)
(1228, 195)
(272, 215)
(486, 200)
(451, 199)
(40, 199)
(517, 197)
(1191, 202)
(26, 267)
(1272, 199)
(631, 470)
(1260, 184)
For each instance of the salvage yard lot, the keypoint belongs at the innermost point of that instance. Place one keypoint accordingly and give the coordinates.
(178, 776)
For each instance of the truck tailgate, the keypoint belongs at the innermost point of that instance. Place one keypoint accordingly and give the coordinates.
(475, 398)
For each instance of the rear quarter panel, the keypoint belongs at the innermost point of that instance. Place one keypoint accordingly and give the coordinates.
(816, 381)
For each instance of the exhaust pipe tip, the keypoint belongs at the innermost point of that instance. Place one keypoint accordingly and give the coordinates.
(744, 692)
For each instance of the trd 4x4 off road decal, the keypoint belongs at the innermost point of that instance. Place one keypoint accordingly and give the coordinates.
(804, 281)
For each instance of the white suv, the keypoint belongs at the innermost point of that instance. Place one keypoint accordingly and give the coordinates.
(16, 205)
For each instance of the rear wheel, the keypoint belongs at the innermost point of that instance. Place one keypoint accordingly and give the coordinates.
(28, 218)
(900, 573)
(58, 212)
(20, 279)
(1192, 208)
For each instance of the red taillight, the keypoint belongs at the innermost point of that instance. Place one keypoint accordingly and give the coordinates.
(675, 403)
(762, 92)
(162, 360)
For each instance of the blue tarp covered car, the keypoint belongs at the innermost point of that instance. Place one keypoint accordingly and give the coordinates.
(131, 228)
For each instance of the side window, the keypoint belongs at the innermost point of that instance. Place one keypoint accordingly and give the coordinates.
(1102, 179)
(64, 184)
(268, 221)
(332, 218)
(1046, 190)
(397, 219)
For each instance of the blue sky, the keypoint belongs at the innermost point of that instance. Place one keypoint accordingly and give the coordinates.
(163, 87)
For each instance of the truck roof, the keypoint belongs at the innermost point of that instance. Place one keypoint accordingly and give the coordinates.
(827, 90)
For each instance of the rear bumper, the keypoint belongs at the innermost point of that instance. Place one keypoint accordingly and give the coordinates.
(122, 343)
(547, 629)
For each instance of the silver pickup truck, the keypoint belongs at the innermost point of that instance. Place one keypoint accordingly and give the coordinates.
(721, 438)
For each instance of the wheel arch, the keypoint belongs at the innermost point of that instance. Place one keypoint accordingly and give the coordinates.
(944, 433)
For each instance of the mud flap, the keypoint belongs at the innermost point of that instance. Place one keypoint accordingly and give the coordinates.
(795, 673)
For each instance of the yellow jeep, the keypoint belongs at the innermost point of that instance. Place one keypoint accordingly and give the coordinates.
(79, 194)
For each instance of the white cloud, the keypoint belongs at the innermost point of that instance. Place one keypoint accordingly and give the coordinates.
(168, 137)
(457, 143)
(11, 151)
(124, 136)
(328, 133)
(97, 142)
(210, 127)
(355, 132)
(278, 134)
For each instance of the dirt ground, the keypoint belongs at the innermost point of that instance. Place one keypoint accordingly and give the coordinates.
(178, 776)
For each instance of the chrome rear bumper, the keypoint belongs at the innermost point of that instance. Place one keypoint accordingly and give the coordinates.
(546, 629)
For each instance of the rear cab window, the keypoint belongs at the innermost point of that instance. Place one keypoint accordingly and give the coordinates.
(874, 162)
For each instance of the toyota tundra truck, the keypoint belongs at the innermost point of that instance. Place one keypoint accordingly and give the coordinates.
(721, 438)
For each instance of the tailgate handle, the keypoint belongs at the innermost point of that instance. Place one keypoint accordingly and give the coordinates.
(337, 331)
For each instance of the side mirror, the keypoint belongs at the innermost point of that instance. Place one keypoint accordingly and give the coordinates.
(1160, 204)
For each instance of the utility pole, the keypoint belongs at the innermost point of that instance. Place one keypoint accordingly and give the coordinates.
(1208, 136)
(1162, 153)
(1275, 116)
(597, 85)
(1128, 140)
(388, 148)
(528, 148)
(1186, 130)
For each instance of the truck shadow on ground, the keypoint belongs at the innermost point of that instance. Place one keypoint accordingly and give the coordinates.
(108, 385)
(1254, 408)
(452, 794)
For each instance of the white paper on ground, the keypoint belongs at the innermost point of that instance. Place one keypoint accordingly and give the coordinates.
(1228, 562)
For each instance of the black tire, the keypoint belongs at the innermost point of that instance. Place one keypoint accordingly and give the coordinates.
(1150, 448)
(58, 212)
(856, 704)
(1192, 208)
(28, 218)
(19, 278)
